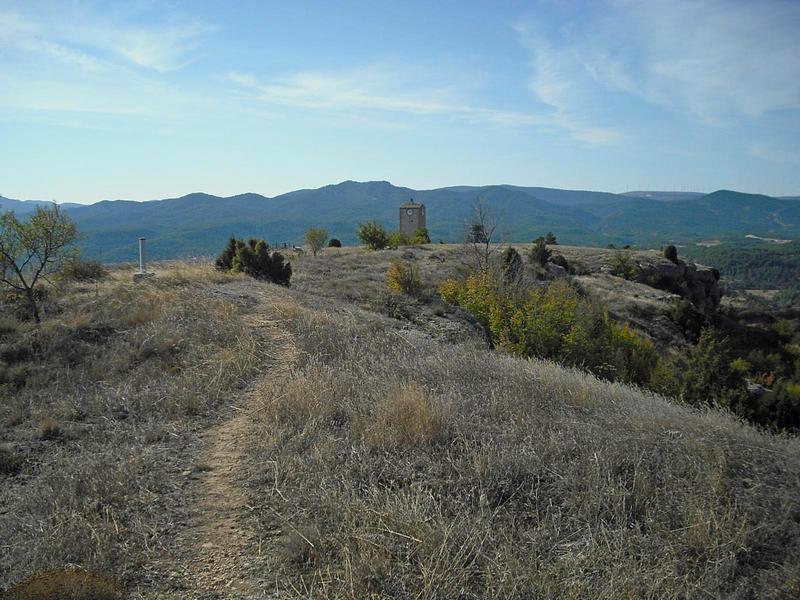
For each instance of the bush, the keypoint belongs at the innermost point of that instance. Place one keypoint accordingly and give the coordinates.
(623, 265)
(334, 243)
(66, 585)
(254, 259)
(671, 253)
(224, 261)
(78, 269)
(555, 323)
(373, 235)
(397, 239)
(550, 239)
(403, 278)
(421, 236)
(539, 254)
(665, 378)
(708, 378)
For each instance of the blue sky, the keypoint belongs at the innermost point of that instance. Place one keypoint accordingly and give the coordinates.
(148, 99)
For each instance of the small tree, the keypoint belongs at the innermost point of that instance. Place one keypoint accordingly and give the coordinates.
(335, 243)
(479, 236)
(539, 254)
(373, 235)
(32, 250)
(316, 238)
(550, 239)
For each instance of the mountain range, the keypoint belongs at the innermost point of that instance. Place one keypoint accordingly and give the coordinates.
(198, 224)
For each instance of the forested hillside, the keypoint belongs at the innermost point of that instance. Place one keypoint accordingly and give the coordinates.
(198, 224)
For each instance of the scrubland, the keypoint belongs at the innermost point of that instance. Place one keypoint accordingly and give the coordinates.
(394, 455)
(98, 408)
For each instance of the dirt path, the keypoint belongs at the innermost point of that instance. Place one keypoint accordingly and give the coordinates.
(216, 553)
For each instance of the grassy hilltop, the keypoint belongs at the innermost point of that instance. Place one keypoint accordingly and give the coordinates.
(207, 435)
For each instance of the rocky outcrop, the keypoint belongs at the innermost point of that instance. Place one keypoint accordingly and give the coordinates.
(695, 283)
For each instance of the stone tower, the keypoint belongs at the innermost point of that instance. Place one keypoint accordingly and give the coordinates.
(412, 217)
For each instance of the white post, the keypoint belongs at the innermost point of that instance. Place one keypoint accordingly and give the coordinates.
(142, 268)
(142, 274)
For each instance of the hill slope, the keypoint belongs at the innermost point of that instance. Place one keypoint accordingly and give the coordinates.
(206, 421)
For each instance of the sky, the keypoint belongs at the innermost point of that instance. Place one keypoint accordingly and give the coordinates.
(146, 99)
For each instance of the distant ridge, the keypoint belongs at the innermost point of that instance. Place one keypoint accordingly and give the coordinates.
(22, 207)
(198, 224)
(665, 196)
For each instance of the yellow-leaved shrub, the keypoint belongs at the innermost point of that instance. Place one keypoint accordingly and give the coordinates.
(554, 322)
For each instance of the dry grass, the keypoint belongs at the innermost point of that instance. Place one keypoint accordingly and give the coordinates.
(114, 382)
(407, 417)
(439, 471)
(388, 463)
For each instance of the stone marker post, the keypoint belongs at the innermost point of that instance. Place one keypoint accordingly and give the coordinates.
(142, 273)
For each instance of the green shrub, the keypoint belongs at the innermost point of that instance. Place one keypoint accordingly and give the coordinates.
(550, 239)
(254, 259)
(334, 243)
(665, 378)
(539, 254)
(623, 265)
(402, 277)
(421, 236)
(671, 253)
(66, 585)
(224, 261)
(708, 378)
(373, 235)
(397, 239)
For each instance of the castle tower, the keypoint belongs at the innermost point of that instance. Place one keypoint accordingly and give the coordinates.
(412, 217)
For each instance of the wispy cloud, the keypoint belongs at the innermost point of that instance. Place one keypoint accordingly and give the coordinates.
(104, 65)
(389, 89)
(715, 60)
(558, 81)
(96, 42)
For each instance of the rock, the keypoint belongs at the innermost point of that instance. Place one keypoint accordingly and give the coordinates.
(558, 259)
(556, 270)
(696, 283)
